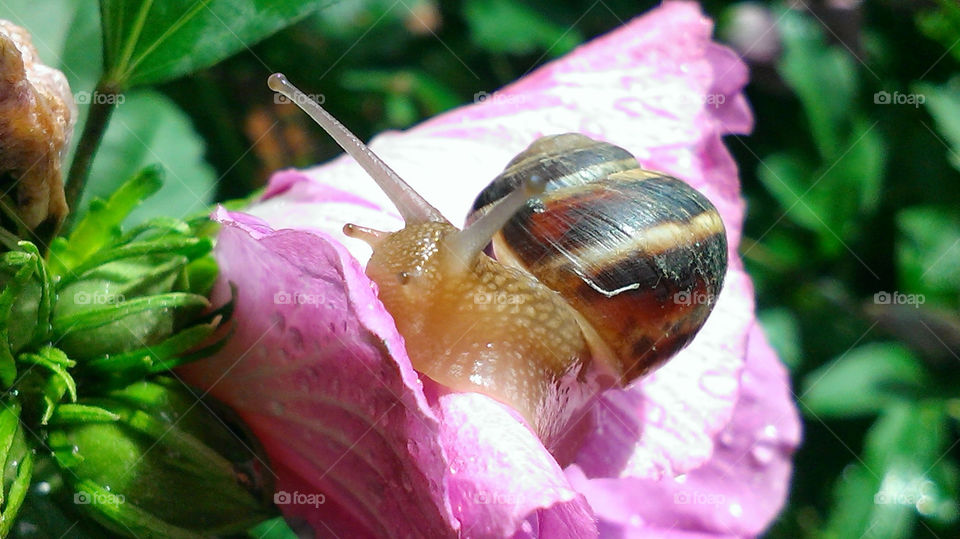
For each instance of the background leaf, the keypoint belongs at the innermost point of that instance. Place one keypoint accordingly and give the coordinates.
(149, 41)
(147, 128)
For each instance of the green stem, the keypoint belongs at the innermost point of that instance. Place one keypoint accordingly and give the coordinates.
(101, 107)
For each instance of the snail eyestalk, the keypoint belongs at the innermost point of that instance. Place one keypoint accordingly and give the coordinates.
(412, 207)
(466, 244)
(371, 236)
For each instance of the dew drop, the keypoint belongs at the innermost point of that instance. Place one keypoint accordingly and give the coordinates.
(526, 527)
(42, 488)
(762, 453)
(736, 510)
(726, 438)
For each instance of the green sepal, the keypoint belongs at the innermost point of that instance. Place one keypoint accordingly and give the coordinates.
(166, 466)
(17, 461)
(138, 363)
(190, 248)
(11, 291)
(101, 225)
(94, 318)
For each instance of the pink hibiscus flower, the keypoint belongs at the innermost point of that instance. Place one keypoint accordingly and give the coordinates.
(361, 446)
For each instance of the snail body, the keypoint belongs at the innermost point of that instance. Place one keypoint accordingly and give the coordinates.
(532, 330)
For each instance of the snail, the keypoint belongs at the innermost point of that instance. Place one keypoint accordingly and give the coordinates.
(604, 270)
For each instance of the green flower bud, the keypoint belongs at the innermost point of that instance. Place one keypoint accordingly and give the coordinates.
(108, 310)
(153, 460)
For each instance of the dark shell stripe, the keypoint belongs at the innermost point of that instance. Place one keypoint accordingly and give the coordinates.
(641, 255)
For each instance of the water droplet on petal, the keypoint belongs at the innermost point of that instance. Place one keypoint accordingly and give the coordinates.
(526, 527)
(762, 453)
(726, 438)
(736, 510)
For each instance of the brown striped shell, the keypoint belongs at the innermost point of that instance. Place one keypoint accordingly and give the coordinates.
(639, 254)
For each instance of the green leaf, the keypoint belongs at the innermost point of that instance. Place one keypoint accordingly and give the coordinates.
(18, 492)
(501, 26)
(863, 381)
(782, 329)
(830, 200)
(928, 252)
(896, 475)
(145, 129)
(942, 24)
(148, 41)
(275, 528)
(943, 104)
(824, 79)
(101, 226)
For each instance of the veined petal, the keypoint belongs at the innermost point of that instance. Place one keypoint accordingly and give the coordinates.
(738, 491)
(316, 369)
(663, 90)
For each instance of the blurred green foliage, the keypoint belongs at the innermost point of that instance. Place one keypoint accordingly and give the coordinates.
(851, 178)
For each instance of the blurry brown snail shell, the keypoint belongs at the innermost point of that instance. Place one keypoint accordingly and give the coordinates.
(598, 279)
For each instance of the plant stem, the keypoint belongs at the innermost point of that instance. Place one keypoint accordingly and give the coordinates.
(102, 103)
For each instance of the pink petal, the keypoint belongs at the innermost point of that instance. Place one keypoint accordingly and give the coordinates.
(318, 372)
(321, 377)
(738, 492)
(666, 423)
(502, 480)
(633, 87)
